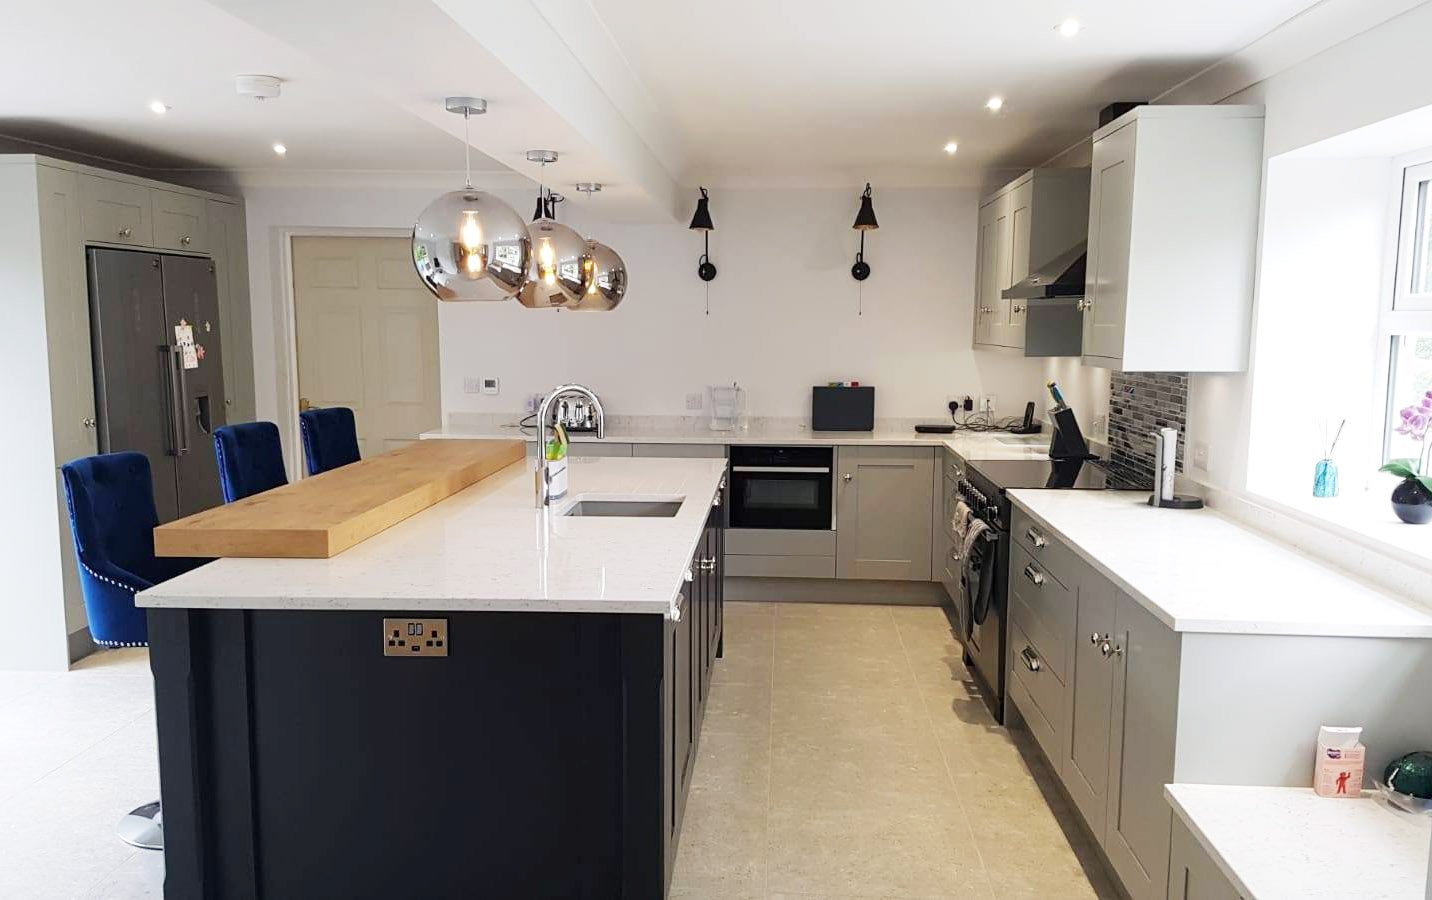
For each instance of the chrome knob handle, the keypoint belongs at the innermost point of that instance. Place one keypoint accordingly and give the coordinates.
(88, 422)
(185, 240)
(1106, 649)
(1030, 659)
(125, 232)
(1017, 308)
(846, 477)
(1094, 638)
(1118, 651)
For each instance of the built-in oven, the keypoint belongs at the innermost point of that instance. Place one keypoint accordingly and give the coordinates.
(782, 487)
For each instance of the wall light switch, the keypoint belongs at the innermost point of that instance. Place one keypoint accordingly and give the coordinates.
(415, 637)
(693, 401)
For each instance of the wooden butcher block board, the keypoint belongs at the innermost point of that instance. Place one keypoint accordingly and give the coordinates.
(323, 515)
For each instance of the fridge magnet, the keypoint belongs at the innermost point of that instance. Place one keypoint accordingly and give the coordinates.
(184, 338)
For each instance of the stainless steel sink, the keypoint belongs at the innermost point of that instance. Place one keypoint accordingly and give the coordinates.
(638, 509)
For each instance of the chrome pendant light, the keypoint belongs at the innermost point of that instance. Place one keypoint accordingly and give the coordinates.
(557, 276)
(469, 245)
(606, 273)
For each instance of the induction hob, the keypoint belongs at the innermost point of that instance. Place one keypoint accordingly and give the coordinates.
(1078, 475)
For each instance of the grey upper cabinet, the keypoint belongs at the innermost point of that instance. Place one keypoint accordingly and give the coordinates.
(1023, 225)
(1173, 233)
(116, 212)
(180, 221)
(884, 520)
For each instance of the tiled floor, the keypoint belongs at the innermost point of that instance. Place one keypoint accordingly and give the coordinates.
(76, 753)
(844, 755)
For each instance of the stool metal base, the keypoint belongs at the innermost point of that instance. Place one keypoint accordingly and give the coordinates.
(143, 827)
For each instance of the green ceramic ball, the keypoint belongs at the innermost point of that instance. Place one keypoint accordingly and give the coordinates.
(1411, 774)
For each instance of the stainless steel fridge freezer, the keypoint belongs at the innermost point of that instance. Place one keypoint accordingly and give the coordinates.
(155, 391)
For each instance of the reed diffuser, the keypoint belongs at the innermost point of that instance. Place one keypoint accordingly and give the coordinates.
(1325, 473)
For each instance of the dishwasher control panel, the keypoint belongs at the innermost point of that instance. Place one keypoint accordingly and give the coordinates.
(415, 637)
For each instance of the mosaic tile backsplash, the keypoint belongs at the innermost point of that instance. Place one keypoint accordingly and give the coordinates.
(1140, 403)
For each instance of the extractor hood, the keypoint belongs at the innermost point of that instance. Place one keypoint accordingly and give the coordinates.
(1062, 276)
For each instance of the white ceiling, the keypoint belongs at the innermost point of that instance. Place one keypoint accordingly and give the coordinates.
(647, 96)
(859, 90)
(83, 80)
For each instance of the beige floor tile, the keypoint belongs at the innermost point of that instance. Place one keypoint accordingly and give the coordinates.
(744, 708)
(722, 849)
(889, 853)
(847, 754)
(819, 774)
(734, 765)
(857, 665)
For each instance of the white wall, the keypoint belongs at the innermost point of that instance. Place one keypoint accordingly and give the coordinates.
(783, 308)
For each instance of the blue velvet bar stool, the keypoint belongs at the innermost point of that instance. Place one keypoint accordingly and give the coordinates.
(112, 518)
(330, 438)
(250, 458)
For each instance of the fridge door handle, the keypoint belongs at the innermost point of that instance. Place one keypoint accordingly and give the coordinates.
(174, 389)
(181, 402)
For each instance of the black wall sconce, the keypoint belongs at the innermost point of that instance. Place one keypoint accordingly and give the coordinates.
(701, 222)
(864, 221)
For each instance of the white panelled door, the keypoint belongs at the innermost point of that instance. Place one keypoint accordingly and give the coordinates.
(367, 335)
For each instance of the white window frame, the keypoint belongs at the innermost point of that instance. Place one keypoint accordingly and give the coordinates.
(1403, 311)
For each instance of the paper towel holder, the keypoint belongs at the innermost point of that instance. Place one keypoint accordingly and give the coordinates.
(1165, 468)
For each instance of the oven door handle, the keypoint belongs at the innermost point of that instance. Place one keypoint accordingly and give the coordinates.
(785, 470)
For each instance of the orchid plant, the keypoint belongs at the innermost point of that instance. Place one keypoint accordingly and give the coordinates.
(1416, 423)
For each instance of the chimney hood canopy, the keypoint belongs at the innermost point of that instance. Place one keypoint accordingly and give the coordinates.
(1062, 276)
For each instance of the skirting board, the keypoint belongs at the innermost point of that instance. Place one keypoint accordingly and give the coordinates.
(831, 590)
(80, 644)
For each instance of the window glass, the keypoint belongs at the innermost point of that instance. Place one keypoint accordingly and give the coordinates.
(1410, 377)
(1422, 244)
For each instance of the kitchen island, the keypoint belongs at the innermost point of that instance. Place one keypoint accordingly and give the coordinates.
(487, 699)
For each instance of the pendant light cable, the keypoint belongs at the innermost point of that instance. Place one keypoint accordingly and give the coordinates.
(467, 145)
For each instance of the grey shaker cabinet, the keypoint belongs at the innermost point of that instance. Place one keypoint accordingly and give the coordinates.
(884, 517)
(1086, 762)
(1143, 725)
(1192, 873)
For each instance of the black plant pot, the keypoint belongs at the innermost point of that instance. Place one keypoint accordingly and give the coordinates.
(1412, 502)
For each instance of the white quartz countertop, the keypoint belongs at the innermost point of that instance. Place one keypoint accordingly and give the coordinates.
(490, 548)
(1199, 571)
(969, 444)
(1282, 843)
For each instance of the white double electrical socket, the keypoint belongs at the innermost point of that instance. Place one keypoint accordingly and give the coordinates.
(693, 401)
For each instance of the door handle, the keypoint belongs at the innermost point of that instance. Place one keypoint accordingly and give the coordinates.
(181, 402)
(1106, 649)
(1030, 659)
(1036, 539)
(846, 477)
(171, 396)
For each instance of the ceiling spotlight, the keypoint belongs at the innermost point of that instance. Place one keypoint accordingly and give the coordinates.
(994, 104)
(1069, 28)
(280, 149)
(157, 107)
(951, 147)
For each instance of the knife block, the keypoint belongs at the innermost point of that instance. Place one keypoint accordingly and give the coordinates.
(1067, 441)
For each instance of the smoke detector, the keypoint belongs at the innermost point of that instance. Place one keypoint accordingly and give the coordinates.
(260, 87)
